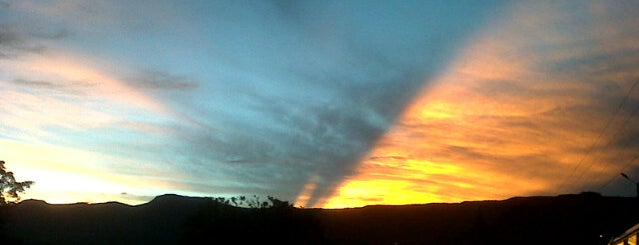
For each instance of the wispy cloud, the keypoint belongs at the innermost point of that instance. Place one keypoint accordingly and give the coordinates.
(157, 80)
(515, 113)
(13, 43)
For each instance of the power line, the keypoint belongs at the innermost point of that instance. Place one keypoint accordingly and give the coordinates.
(591, 148)
(620, 130)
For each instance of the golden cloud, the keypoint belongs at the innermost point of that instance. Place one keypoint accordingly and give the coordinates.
(519, 112)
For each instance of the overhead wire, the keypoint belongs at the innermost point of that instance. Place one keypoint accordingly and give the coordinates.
(627, 164)
(599, 137)
(621, 129)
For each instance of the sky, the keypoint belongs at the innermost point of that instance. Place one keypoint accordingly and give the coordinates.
(323, 103)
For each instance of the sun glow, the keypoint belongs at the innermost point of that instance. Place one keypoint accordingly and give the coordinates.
(64, 175)
(497, 123)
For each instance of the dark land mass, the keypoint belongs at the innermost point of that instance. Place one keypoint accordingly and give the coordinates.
(586, 218)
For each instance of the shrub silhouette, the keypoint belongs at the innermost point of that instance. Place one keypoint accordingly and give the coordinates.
(251, 220)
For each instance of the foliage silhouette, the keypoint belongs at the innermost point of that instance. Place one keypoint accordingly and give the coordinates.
(251, 220)
(10, 189)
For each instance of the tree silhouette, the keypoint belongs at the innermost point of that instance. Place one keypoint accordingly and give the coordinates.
(251, 220)
(10, 189)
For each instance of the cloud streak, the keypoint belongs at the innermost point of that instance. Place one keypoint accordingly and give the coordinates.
(513, 114)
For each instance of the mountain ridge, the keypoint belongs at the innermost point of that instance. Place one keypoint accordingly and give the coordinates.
(585, 218)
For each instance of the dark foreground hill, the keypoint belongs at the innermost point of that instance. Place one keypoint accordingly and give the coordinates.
(171, 219)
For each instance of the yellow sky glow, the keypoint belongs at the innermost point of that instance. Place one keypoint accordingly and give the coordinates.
(65, 175)
(496, 124)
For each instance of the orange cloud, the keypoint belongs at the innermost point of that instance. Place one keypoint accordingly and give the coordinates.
(513, 114)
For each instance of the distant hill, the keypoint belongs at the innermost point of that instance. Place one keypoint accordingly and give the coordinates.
(566, 219)
(156, 222)
(170, 219)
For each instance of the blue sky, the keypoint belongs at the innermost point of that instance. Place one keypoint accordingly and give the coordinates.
(125, 100)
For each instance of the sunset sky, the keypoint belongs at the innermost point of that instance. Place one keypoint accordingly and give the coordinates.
(324, 103)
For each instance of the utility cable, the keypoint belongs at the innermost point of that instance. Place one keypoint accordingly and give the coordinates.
(621, 129)
(591, 148)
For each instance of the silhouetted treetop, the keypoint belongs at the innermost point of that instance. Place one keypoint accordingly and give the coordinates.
(251, 220)
(254, 201)
(10, 189)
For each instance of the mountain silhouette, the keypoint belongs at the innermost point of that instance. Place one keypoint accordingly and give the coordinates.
(586, 218)
(155, 222)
